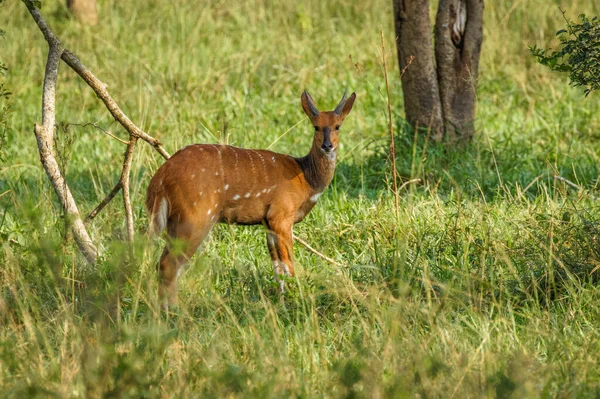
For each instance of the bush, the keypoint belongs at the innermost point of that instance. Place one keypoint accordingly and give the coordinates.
(579, 55)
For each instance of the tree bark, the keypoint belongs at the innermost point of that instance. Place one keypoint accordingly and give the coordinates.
(85, 11)
(458, 36)
(440, 95)
(419, 82)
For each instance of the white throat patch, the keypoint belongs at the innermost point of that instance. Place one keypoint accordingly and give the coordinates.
(332, 155)
(315, 197)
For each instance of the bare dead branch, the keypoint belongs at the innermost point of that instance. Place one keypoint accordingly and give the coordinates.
(45, 134)
(45, 139)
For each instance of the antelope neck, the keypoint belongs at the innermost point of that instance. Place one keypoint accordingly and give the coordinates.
(318, 168)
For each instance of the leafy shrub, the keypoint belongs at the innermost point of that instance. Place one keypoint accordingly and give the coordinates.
(579, 55)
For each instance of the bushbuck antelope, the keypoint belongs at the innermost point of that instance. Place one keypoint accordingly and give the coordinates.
(203, 184)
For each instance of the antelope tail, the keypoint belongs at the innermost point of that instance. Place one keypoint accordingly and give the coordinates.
(158, 207)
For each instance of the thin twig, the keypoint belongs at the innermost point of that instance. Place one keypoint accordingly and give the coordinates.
(284, 133)
(101, 129)
(410, 61)
(314, 251)
(406, 183)
(575, 186)
(390, 127)
(125, 184)
(527, 187)
(104, 202)
(568, 182)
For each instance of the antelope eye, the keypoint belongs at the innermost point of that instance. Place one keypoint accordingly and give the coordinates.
(316, 128)
(337, 127)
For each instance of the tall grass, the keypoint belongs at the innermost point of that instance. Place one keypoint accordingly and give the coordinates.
(486, 285)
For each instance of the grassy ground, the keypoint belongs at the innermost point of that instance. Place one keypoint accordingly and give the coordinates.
(484, 286)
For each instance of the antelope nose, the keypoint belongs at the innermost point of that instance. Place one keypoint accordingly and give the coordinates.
(327, 147)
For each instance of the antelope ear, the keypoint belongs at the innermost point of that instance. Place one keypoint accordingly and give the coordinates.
(309, 105)
(348, 105)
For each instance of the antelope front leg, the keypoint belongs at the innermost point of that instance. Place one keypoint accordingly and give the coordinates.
(279, 241)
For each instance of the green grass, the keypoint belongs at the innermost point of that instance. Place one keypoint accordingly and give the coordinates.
(484, 286)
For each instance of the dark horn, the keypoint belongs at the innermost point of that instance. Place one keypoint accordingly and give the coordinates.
(311, 104)
(338, 109)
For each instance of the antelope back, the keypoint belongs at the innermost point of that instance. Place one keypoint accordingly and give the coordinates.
(206, 183)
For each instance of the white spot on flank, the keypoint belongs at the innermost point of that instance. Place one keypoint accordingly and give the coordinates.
(273, 159)
(195, 203)
(200, 193)
(236, 197)
(226, 187)
(213, 217)
(160, 183)
(193, 175)
(257, 195)
(216, 173)
(203, 169)
(247, 195)
(264, 190)
(219, 190)
(315, 197)
(209, 212)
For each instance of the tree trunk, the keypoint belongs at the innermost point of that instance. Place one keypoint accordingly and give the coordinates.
(419, 81)
(443, 95)
(84, 11)
(458, 35)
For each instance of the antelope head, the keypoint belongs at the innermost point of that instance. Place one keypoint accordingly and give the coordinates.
(327, 124)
